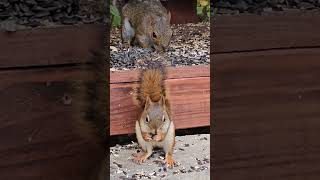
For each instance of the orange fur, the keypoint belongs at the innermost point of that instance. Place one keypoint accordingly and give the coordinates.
(159, 137)
(170, 160)
(152, 86)
(141, 158)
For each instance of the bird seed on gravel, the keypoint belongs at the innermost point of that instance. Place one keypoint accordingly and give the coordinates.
(190, 45)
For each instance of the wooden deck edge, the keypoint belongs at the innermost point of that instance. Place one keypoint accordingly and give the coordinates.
(173, 73)
(255, 32)
(50, 46)
(189, 95)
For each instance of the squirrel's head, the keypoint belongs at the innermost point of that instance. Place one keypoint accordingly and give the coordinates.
(155, 118)
(161, 31)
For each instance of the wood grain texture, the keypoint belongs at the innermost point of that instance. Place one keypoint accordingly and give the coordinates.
(183, 11)
(251, 32)
(189, 94)
(50, 46)
(173, 73)
(266, 115)
(37, 133)
(66, 73)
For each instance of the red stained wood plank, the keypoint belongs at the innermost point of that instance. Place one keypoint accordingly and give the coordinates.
(183, 11)
(173, 73)
(252, 32)
(50, 46)
(38, 138)
(266, 110)
(67, 73)
(190, 100)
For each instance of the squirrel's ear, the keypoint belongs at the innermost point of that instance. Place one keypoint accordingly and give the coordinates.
(147, 103)
(163, 101)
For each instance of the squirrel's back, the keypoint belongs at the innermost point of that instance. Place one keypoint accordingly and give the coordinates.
(143, 8)
(152, 83)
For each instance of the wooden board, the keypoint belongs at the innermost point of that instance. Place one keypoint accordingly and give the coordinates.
(183, 11)
(37, 132)
(251, 32)
(189, 91)
(266, 115)
(49, 81)
(49, 74)
(50, 46)
(173, 73)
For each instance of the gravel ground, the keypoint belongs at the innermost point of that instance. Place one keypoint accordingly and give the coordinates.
(265, 7)
(189, 46)
(15, 14)
(192, 154)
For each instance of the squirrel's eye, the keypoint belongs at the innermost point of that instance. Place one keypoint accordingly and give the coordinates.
(154, 35)
(147, 119)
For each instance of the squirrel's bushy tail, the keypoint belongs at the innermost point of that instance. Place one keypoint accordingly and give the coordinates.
(152, 83)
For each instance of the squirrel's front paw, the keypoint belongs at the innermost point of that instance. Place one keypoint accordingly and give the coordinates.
(140, 159)
(158, 137)
(146, 137)
(170, 161)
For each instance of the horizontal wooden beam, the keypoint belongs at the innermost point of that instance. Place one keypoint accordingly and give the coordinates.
(252, 32)
(189, 93)
(50, 46)
(266, 110)
(173, 73)
(49, 74)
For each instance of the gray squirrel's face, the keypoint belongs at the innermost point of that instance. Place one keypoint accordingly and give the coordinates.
(161, 33)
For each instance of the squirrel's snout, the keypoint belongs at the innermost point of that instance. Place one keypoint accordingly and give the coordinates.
(163, 48)
(160, 48)
(152, 135)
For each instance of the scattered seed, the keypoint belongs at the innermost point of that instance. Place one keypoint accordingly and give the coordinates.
(175, 172)
(184, 49)
(119, 165)
(183, 171)
(165, 169)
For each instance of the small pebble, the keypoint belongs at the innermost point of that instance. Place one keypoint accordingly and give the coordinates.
(119, 165)
(165, 169)
(175, 172)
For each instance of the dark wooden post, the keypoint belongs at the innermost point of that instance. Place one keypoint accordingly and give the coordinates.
(182, 11)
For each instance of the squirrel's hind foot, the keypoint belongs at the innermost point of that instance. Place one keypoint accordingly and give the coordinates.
(140, 158)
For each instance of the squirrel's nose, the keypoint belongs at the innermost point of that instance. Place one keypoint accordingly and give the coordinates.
(152, 135)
